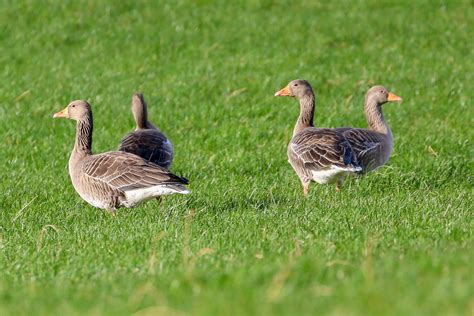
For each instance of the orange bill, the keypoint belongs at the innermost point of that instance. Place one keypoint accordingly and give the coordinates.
(283, 92)
(63, 113)
(393, 97)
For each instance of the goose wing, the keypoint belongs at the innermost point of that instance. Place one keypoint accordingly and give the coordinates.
(322, 148)
(124, 171)
(150, 144)
(366, 145)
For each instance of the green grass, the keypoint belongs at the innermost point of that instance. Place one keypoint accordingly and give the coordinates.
(398, 241)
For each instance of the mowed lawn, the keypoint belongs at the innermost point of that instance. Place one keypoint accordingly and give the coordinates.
(396, 242)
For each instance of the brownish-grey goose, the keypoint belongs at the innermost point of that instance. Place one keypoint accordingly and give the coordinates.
(147, 141)
(372, 146)
(326, 155)
(113, 179)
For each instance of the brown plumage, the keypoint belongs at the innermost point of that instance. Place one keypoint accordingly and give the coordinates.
(113, 179)
(147, 141)
(327, 155)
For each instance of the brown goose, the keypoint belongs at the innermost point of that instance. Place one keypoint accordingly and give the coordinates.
(113, 179)
(147, 141)
(327, 155)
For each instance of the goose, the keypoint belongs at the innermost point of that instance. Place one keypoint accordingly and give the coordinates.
(147, 141)
(328, 155)
(372, 146)
(113, 179)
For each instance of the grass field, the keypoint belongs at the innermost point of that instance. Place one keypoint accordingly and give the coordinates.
(399, 241)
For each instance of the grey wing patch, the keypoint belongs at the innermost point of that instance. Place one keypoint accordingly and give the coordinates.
(149, 144)
(368, 156)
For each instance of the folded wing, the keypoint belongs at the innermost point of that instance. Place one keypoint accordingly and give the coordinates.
(316, 149)
(124, 172)
(365, 144)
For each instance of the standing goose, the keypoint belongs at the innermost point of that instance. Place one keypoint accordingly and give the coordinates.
(316, 154)
(113, 179)
(374, 145)
(147, 141)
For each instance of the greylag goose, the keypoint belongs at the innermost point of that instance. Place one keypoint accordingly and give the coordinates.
(374, 145)
(327, 155)
(147, 141)
(113, 179)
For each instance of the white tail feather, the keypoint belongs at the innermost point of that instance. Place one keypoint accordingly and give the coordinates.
(332, 174)
(133, 197)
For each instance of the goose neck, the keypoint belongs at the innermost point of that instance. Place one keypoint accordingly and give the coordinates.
(84, 128)
(375, 118)
(307, 105)
(140, 114)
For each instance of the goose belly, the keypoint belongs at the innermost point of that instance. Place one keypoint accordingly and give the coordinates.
(328, 175)
(89, 193)
(90, 197)
(94, 202)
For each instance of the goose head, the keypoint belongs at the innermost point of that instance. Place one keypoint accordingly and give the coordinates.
(297, 88)
(380, 95)
(76, 110)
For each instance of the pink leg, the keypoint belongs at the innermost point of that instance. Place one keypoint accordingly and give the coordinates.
(305, 188)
